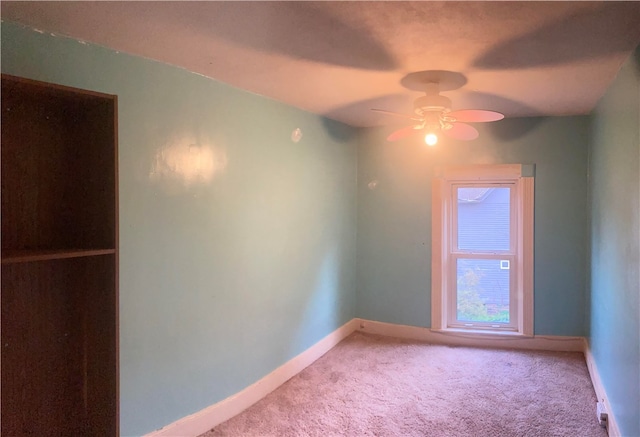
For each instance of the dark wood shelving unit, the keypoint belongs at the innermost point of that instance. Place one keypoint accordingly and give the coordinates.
(59, 292)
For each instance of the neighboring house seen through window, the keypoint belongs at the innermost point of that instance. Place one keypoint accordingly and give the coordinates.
(482, 257)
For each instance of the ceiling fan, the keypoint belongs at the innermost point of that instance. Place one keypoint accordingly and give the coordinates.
(433, 115)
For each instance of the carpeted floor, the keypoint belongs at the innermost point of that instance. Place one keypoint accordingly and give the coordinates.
(378, 386)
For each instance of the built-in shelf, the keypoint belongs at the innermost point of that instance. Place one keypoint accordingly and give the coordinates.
(25, 256)
(59, 299)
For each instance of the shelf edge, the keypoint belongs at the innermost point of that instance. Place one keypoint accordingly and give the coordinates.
(39, 255)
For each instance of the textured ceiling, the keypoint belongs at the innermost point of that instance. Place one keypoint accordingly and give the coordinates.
(340, 59)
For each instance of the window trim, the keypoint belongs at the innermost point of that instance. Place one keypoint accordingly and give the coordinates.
(522, 176)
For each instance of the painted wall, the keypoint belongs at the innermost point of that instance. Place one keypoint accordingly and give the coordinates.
(237, 245)
(614, 319)
(394, 217)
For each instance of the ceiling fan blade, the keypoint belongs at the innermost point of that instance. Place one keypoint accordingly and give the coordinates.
(475, 115)
(461, 131)
(404, 132)
(397, 114)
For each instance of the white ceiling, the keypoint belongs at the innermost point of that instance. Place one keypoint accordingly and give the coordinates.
(340, 59)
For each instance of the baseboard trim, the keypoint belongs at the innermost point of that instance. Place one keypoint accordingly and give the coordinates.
(202, 421)
(537, 342)
(601, 394)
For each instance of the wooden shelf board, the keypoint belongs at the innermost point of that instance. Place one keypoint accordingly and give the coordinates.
(22, 256)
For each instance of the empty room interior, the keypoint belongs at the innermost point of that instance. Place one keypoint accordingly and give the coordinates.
(214, 212)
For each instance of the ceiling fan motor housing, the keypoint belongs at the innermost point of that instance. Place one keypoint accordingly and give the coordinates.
(431, 103)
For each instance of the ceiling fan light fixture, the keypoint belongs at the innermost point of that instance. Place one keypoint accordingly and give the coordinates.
(431, 139)
(433, 115)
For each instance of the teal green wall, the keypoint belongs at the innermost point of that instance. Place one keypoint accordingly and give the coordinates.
(394, 218)
(237, 245)
(614, 319)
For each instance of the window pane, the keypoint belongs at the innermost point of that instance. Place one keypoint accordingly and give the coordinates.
(483, 290)
(483, 218)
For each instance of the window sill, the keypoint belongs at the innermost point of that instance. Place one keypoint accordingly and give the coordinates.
(480, 333)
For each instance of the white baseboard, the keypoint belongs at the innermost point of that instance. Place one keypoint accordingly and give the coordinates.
(202, 421)
(612, 426)
(537, 342)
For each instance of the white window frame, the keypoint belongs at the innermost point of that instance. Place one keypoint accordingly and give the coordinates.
(445, 253)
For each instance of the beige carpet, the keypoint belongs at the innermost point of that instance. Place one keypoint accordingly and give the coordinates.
(378, 386)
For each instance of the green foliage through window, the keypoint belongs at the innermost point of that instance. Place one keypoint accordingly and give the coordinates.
(471, 307)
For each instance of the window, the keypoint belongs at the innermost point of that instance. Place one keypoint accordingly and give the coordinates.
(482, 254)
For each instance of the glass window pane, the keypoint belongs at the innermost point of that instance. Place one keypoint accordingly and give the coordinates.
(483, 218)
(483, 290)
